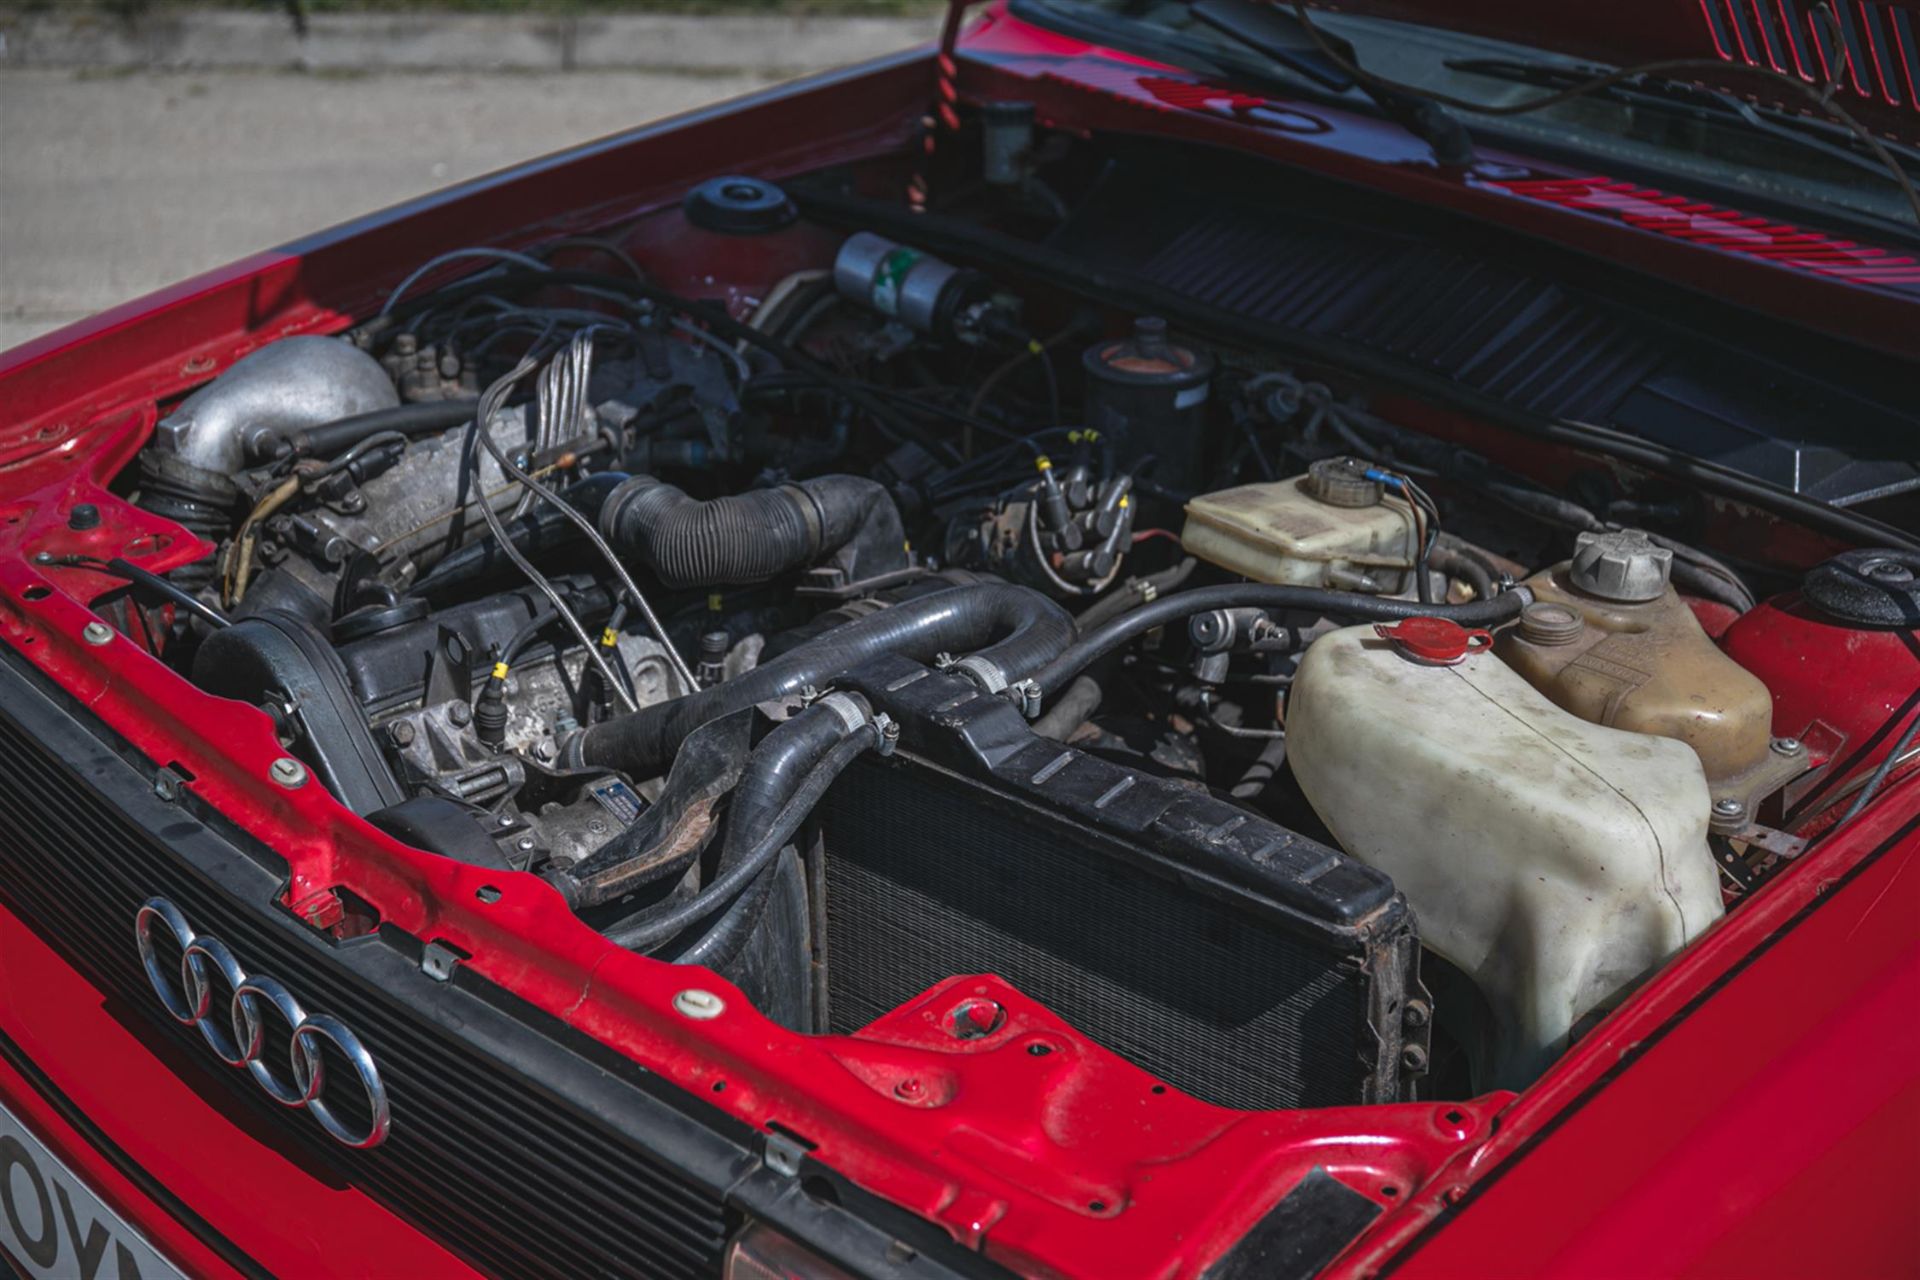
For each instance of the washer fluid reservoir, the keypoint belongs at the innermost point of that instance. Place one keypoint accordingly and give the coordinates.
(1553, 860)
(1332, 527)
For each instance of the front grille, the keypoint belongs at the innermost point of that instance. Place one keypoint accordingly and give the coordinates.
(929, 876)
(490, 1162)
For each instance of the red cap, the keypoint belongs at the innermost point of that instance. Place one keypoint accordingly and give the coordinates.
(1437, 642)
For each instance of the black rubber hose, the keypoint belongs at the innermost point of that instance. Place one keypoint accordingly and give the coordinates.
(746, 538)
(427, 418)
(169, 591)
(766, 788)
(1260, 774)
(1014, 629)
(1135, 591)
(1090, 648)
(788, 773)
(1070, 710)
(1457, 560)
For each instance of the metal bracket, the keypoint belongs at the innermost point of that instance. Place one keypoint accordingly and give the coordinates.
(783, 1155)
(438, 961)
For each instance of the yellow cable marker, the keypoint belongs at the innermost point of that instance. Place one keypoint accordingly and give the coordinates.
(499, 671)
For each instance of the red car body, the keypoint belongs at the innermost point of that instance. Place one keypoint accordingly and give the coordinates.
(1752, 1110)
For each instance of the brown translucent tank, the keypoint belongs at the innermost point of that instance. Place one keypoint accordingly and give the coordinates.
(1648, 667)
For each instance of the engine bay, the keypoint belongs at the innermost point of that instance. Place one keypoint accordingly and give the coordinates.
(846, 611)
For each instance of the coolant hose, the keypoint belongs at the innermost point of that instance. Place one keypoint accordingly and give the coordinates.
(1009, 632)
(786, 776)
(744, 538)
(1110, 637)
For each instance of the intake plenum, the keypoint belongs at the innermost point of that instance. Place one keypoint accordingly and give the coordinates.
(746, 538)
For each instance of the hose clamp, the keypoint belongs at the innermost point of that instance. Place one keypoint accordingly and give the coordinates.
(810, 514)
(1026, 693)
(982, 672)
(852, 714)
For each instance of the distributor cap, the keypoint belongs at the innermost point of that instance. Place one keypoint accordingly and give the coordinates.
(1622, 565)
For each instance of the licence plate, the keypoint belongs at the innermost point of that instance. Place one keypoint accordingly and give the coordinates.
(52, 1223)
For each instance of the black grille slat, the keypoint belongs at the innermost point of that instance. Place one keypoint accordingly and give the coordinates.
(488, 1163)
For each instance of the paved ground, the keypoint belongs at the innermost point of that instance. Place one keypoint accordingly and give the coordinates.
(110, 187)
(135, 156)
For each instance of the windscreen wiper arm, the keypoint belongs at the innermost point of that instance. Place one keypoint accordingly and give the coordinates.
(1282, 39)
(1702, 103)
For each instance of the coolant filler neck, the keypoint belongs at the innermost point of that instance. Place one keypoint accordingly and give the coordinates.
(1433, 642)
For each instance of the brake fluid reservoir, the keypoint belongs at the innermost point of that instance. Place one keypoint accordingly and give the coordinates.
(1332, 527)
(1552, 860)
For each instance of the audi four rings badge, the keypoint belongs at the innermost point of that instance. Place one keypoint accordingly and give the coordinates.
(239, 1040)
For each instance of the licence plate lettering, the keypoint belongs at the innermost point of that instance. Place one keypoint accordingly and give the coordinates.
(52, 1223)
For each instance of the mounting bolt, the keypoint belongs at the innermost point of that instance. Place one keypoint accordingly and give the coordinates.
(698, 1005)
(1727, 808)
(401, 733)
(288, 772)
(96, 633)
(1413, 1057)
(1786, 746)
(460, 714)
(524, 844)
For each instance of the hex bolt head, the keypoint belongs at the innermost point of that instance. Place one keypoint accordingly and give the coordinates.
(460, 713)
(1727, 808)
(96, 633)
(402, 733)
(698, 1005)
(288, 772)
(1786, 746)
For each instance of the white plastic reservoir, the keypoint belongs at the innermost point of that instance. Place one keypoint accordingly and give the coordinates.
(1552, 860)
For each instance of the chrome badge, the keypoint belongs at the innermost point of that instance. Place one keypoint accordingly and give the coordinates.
(239, 1041)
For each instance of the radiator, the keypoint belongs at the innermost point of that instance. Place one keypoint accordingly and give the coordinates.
(1237, 961)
